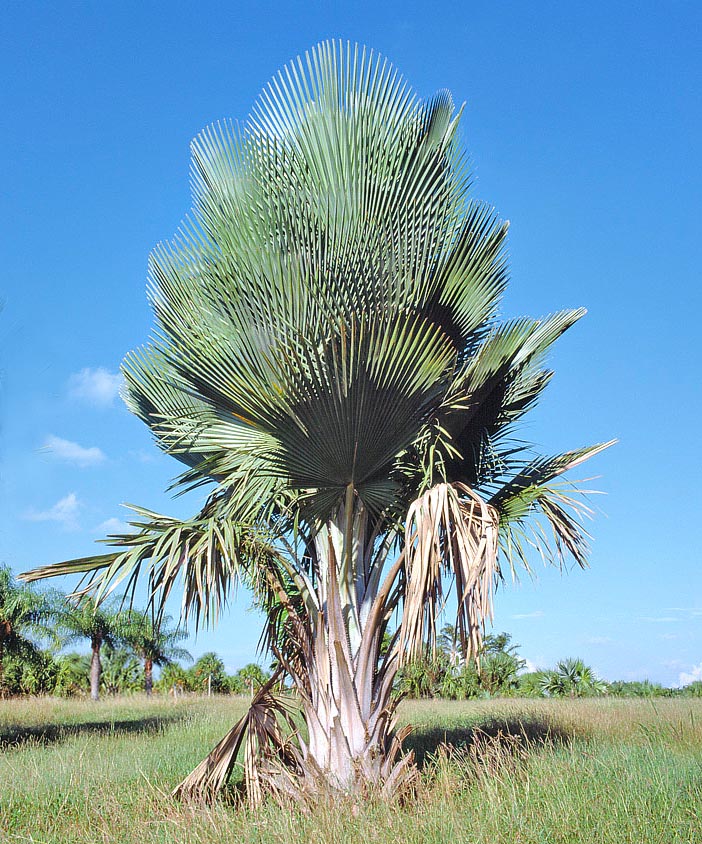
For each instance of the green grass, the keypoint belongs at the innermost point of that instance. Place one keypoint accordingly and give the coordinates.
(523, 772)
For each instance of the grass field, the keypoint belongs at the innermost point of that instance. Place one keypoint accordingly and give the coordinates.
(524, 772)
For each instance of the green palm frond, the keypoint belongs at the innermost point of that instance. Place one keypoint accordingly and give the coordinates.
(531, 494)
(205, 556)
(512, 352)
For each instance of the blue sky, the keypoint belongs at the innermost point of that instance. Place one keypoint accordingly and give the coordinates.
(584, 124)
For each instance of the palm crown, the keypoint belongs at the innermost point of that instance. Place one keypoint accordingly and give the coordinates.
(329, 358)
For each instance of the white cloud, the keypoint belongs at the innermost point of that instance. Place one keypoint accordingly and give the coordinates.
(71, 452)
(695, 673)
(535, 614)
(98, 387)
(111, 526)
(530, 666)
(64, 512)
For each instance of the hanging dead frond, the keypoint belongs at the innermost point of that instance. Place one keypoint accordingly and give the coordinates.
(451, 531)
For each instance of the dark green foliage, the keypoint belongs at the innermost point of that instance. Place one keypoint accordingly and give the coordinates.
(175, 678)
(209, 674)
(33, 673)
(530, 684)
(447, 675)
(154, 641)
(121, 672)
(248, 679)
(423, 677)
(24, 618)
(461, 683)
(694, 689)
(499, 665)
(73, 675)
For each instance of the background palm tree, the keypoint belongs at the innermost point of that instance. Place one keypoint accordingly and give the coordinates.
(331, 363)
(450, 644)
(23, 614)
(120, 671)
(101, 624)
(155, 642)
(209, 674)
(572, 678)
(499, 664)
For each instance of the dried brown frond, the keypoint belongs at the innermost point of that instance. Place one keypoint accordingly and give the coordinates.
(451, 531)
(267, 749)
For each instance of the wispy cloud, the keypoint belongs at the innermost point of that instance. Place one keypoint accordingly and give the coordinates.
(687, 677)
(64, 512)
(71, 452)
(693, 612)
(535, 614)
(598, 640)
(112, 525)
(98, 387)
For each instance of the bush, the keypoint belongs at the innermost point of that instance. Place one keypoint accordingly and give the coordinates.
(73, 675)
(638, 688)
(530, 684)
(34, 673)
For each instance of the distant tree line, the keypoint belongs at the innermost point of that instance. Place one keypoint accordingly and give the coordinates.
(126, 645)
(499, 672)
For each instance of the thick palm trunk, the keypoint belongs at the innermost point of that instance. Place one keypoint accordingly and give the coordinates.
(349, 712)
(346, 697)
(346, 689)
(148, 676)
(95, 669)
(344, 684)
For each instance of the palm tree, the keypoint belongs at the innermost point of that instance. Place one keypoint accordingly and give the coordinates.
(101, 623)
(449, 643)
(154, 642)
(23, 613)
(330, 362)
(120, 671)
(209, 673)
(250, 678)
(572, 678)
